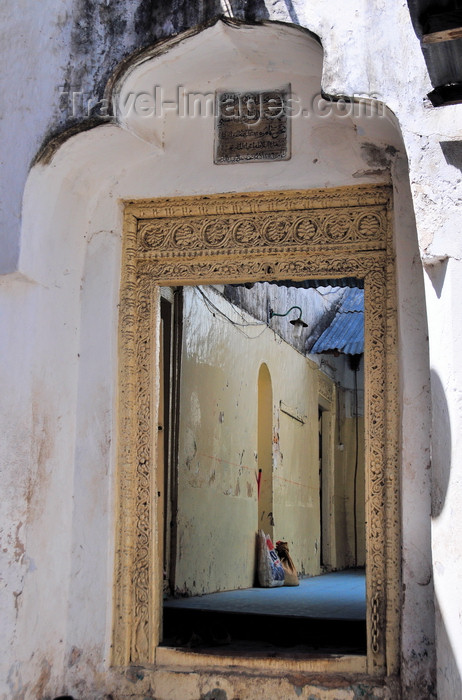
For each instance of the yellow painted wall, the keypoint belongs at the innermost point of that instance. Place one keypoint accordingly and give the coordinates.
(349, 462)
(265, 451)
(218, 459)
(344, 492)
(218, 512)
(296, 462)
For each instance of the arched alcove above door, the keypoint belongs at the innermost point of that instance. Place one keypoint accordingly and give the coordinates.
(316, 214)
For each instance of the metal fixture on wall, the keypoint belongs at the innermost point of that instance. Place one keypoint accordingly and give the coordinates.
(297, 323)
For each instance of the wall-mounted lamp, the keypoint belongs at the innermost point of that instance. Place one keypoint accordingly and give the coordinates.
(297, 323)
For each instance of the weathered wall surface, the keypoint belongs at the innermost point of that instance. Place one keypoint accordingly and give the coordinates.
(349, 491)
(59, 359)
(57, 62)
(218, 454)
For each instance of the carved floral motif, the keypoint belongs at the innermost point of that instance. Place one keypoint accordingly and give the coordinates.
(240, 231)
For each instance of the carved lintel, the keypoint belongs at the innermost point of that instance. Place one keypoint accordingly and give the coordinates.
(352, 226)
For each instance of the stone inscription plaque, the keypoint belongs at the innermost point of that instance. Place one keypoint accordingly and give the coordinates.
(252, 126)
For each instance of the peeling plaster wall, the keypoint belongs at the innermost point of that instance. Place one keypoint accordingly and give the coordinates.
(61, 298)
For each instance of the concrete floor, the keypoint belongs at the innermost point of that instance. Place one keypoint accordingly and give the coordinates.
(340, 595)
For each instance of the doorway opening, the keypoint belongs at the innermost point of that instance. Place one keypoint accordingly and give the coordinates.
(257, 450)
(231, 240)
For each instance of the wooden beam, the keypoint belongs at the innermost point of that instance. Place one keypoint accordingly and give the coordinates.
(446, 35)
(444, 26)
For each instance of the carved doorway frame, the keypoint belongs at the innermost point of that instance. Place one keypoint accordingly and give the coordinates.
(318, 234)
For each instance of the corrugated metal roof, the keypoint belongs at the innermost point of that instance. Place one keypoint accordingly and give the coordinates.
(353, 300)
(346, 332)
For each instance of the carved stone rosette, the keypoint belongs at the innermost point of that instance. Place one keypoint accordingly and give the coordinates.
(229, 238)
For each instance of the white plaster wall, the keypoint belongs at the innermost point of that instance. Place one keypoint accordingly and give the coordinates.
(29, 87)
(442, 281)
(381, 54)
(76, 199)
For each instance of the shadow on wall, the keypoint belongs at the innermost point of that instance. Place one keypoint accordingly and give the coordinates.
(452, 151)
(291, 10)
(449, 680)
(441, 447)
(436, 274)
